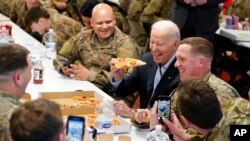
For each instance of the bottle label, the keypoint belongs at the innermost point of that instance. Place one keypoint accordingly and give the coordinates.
(38, 74)
(107, 124)
(104, 122)
(50, 45)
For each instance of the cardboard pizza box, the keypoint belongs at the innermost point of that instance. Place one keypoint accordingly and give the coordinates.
(66, 98)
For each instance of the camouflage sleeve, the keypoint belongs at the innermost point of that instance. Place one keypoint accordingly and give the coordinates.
(4, 131)
(75, 28)
(126, 48)
(64, 53)
(13, 14)
(149, 14)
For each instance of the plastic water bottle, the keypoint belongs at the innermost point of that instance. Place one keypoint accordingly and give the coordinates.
(50, 40)
(105, 112)
(157, 135)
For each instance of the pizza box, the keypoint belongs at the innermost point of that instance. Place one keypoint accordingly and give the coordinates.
(66, 98)
(236, 35)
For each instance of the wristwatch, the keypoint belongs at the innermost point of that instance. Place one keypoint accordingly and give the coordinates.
(134, 111)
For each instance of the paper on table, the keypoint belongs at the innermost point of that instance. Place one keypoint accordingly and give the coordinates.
(4, 18)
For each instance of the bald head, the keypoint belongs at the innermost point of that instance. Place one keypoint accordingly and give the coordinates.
(103, 21)
(102, 8)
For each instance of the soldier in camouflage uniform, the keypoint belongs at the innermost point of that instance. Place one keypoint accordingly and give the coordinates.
(213, 121)
(39, 20)
(14, 77)
(93, 49)
(240, 8)
(20, 7)
(5, 7)
(194, 57)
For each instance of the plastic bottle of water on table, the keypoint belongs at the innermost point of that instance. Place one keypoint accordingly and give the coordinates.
(105, 114)
(157, 135)
(50, 40)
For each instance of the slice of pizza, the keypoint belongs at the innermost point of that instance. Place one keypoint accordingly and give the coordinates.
(128, 62)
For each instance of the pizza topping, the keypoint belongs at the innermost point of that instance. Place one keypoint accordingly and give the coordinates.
(127, 62)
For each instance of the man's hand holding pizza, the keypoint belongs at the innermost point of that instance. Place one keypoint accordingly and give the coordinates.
(116, 73)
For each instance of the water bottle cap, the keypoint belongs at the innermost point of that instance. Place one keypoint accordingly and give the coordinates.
(50, 30)
(158, 127)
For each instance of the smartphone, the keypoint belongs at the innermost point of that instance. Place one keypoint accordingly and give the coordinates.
(164, 107)
(75, 128)
(65, 63)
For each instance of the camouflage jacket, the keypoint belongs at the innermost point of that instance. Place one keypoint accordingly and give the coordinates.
(236, 112)
(85, 48)
(156, 10)
(17, 12)
(65, 28)
(7, 106)
(5, 7)
(222, 89)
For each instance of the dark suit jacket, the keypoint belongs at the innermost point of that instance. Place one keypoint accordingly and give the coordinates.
(142, 80)
(207, 15)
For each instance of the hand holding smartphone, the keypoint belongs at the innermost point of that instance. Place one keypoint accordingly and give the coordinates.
(75, 128)
(164, 107)
(65, 63)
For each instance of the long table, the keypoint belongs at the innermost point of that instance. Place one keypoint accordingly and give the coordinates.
(56, 82)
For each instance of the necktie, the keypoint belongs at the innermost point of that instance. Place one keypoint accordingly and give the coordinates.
(160, 70)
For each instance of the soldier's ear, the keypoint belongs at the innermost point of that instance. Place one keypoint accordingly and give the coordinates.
(91, 22)
(114, 20)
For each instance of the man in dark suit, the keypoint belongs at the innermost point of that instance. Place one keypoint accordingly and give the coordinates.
(197, 17)
(157, 77)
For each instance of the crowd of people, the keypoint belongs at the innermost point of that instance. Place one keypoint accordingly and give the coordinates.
(174, 38)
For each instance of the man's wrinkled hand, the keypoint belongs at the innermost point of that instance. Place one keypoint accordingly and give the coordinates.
(122, 109)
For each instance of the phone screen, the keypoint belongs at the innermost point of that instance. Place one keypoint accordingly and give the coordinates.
(65, 63)
(75, 128)
(164, 105)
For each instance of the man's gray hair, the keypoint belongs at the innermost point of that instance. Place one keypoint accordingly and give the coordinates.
(171, 29)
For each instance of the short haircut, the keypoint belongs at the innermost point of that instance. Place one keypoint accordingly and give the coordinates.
(12, 57)
(198, 103)
(34, 14)
(37, 120)
(87, 7)
(200, 46)
(171, 29)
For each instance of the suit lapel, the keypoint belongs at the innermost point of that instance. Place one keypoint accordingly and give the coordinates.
(167, 78)
(151, 76)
